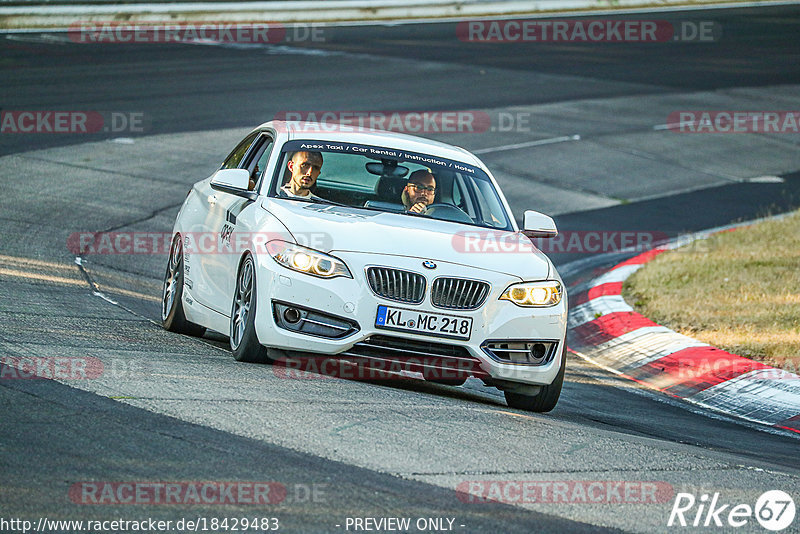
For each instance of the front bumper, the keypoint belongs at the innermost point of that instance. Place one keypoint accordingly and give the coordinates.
(351, 301)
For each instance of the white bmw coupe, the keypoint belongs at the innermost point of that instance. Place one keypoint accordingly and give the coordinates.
(314, 240)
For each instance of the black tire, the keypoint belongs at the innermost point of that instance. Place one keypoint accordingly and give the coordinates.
(243, 339)
(546, 399)
(172, 316)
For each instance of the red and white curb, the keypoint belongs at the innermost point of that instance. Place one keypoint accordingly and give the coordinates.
(606, 331)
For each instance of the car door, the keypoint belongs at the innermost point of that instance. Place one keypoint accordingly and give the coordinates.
(228, 214)
(203, 240)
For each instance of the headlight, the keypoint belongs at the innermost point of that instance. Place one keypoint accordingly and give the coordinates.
(538, 294)
(307, 260)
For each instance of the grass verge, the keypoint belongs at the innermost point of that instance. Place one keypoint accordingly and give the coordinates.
(739, 291)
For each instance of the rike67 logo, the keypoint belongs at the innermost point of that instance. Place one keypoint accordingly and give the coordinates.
(774, 510)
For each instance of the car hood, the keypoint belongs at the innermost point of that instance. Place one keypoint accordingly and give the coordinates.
(332, 228)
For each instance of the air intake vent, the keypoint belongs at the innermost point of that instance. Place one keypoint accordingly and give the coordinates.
(433, 360)
(394, 284)
(523, 351)
(458, 293)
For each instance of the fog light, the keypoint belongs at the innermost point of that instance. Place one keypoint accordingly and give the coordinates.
(292, 315)
(538, 351)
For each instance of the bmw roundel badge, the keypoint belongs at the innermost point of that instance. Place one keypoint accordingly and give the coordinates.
(428, 264)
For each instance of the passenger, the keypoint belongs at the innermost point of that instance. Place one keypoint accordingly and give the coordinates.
(304, 168)
(419, 192)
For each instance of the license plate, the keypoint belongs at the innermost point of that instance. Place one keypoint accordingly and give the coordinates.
(426, 323)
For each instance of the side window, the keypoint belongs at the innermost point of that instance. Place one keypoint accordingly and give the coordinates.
(462, 198)
(235, 157)
(257, 161)
(491, 211)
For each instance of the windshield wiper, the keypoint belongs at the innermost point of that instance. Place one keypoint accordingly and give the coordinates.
(317, 200)
(320, 200)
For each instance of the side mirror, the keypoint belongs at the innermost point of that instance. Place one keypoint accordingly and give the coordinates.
(233, 181)
(537, 224)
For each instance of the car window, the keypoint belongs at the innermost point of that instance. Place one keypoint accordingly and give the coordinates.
(490, 211)
(235, 158)
(256, 160)
(265, 151)
(375, 178)
(462, 199)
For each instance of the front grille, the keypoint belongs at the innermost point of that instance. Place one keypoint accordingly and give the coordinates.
(431, 359)
(459, 293)
(394, 284)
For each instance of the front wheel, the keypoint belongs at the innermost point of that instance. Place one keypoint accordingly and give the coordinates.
(172, 316)
(244, 342)
(546, 399)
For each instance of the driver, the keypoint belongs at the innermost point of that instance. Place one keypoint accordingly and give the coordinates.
(304, 168)
(419, 192)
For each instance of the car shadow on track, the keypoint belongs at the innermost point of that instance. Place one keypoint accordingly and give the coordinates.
(473, 390)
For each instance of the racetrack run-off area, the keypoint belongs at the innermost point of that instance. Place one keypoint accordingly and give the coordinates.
(608, 332)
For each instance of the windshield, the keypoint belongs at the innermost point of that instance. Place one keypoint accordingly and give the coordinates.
(389, 180)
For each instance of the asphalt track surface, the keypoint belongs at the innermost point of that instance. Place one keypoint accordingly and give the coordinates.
(180, 409)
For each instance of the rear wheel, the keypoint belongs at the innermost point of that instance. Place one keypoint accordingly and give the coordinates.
(244, 343)
(546, 399)
(172, 316)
